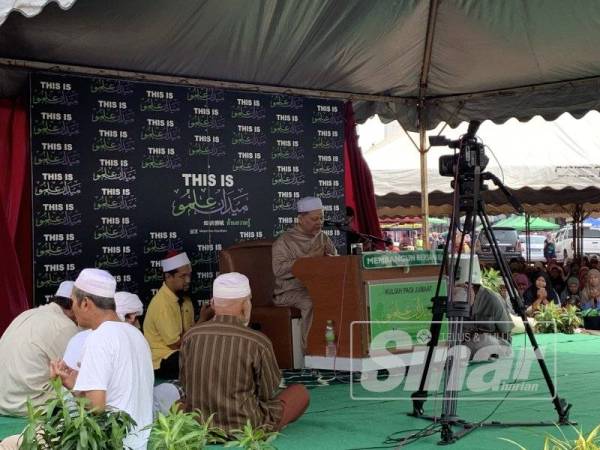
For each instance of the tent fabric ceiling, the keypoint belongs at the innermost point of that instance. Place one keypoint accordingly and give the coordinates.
(563, 155)
(537, 202)
(489, 59)
(28, 8)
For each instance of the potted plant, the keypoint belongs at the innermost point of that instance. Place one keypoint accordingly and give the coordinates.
(581, 441)
(491, 279)
(67, 423)
(548, 318)
(181, 430)
(569, 319)
(250, 438)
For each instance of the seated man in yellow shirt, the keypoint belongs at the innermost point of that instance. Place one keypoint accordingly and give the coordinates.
(170, 314)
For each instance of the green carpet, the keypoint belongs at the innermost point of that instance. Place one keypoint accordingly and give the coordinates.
(335, 421)
(11, 425)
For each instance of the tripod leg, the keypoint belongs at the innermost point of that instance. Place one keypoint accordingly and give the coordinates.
(439, 309)
(560, 405)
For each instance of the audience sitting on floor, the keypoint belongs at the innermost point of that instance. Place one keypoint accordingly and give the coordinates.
(570, 295)
(521, 282)
(540, 293)
(242, 383)
(32, 340)
(487, 332)
(116, 365)
(170, 314)
(128, 308)
(557, 277)
(111, 363)
(590, 294)
(591, 284)
(583, 274)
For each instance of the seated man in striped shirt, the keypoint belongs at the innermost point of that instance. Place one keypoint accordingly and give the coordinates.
(230, 370)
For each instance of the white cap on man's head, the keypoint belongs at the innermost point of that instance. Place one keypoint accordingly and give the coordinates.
(174, 261)
(64, 289)
(96, 282)
(128, 303)
(462, 274)
(308, 204)
(231, 285)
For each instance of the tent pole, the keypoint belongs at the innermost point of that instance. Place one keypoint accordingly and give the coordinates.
(527, 238)
(424, 180)
(423, 83)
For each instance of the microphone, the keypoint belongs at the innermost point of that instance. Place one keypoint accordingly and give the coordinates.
(333, 223)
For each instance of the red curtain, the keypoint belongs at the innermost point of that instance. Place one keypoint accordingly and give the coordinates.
(15, 212)
(359, 191)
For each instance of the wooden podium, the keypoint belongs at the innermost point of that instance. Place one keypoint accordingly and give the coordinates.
(338, 286)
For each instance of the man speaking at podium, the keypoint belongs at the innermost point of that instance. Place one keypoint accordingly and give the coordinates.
(305, 239)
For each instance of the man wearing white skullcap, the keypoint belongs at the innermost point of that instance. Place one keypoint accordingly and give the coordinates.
(305, 239)
(116, 366)
(487, 332)
(240, 384)
(170, 314)
(128, 307)
(31, 341)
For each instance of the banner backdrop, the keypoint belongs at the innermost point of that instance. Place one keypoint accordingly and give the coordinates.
(124, 171)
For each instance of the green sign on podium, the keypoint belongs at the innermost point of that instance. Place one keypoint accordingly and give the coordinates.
(384, 260)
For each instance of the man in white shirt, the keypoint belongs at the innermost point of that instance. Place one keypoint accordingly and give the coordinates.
(129, 308)
(116, 368)
(33, 339)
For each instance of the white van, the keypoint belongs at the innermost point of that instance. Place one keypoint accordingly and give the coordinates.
(564, 242)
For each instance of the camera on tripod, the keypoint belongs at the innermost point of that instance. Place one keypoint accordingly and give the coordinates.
(471, 152)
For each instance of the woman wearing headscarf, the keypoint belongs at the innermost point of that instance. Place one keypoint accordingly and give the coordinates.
(540, 293)
(590, 294)
(557, 277)
(571, 295)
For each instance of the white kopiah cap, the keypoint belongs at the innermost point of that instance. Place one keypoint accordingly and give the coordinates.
(307, 204)
(175, 261)
(64, 289)
(96, 282)
(462, 275)
(128, 303)
(231, 285)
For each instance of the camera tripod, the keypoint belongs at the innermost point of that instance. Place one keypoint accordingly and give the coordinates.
(467, 187)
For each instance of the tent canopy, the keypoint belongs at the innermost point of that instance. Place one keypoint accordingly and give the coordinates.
(519, 224)
(459, 59)
(550, 167)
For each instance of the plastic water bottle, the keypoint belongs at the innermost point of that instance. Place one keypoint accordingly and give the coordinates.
(330, 348)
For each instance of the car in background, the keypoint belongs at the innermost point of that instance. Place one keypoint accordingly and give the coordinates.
(508, 242)
(536, 244)
(564, 245)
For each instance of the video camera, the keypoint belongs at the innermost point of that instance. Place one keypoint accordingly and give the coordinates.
(471, 152)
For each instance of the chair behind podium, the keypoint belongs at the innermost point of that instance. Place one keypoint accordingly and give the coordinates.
(253, 259)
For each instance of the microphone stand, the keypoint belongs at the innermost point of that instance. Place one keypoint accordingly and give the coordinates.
(364, 236)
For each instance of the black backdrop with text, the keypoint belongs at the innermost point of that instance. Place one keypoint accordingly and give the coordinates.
(124, 171)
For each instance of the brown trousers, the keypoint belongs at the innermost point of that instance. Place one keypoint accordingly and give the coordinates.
(298, 299)
(295, 400)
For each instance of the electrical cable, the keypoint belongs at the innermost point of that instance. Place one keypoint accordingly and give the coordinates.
(499, 165)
